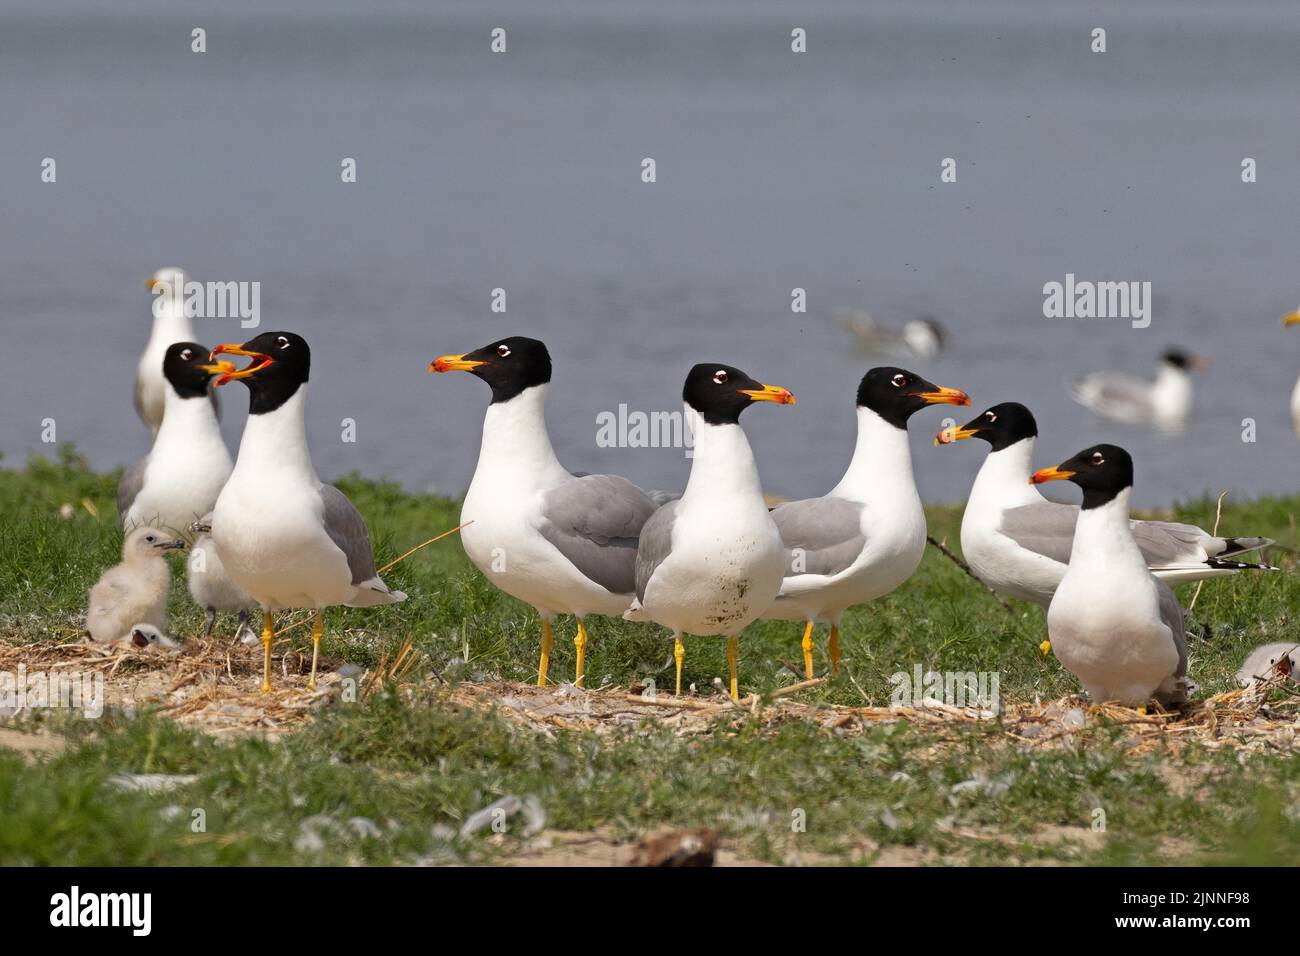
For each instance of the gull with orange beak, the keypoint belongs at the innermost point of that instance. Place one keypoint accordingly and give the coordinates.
(170, 325)
(711, 562)
(866, 536)
(1165, 403)
(1293, 318)
(287, 539)
(564, 544)
(1018, 542)
(180, 478)
(1109, 621)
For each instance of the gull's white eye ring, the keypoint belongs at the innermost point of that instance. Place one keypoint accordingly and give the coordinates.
(282, 342)
(991, 416)
(899, 380)
(1097, 458)
(503, 350)
(720, 376)
(186, 355)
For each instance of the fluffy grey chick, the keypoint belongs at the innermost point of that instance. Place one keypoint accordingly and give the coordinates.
(210, 586)
(1263, 662)
(135, 591)
(146, 635)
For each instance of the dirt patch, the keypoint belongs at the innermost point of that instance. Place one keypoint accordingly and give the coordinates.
(31, 745)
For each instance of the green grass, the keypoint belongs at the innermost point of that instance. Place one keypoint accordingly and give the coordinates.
(417, 765)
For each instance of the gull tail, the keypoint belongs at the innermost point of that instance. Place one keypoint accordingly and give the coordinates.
(375, 591)
(1235, 546)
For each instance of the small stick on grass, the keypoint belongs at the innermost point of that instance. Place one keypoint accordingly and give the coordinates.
(436, 537)
(1218, 513)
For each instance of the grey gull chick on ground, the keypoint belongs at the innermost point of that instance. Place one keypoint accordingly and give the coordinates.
(866, 536)
(711, 562)
(134, 591)
(209, 584)
(565, 544)
(286, 538)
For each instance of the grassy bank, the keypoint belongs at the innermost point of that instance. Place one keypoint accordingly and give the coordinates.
(413, 765)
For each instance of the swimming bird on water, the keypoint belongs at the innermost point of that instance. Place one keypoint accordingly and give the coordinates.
(170, 325)
(1109, 622)
(134, 591)
(181, 476)
(563, 543)
(286, 538)
(711, 562)
(1165, 402)
(866, 536)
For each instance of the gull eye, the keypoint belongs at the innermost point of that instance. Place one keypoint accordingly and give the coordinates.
(720, 376)
(503, 350)
(899, 380)
(282, 342)
(186, 355)
(991, 416)
(1097, 458)
(150, 538)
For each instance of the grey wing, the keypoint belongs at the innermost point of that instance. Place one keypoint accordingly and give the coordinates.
(1114, 393)
(826, 532)
(1044, 527)
(1167, 543)
(130, 485)
(654, 546)
(1171, 612)
(347, 529)
(595, 521)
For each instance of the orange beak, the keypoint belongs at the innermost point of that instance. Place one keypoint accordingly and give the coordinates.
(1054, 473)
(453, 363)
(945, 396)
(770, 393)
(956, 433)
(230, 373)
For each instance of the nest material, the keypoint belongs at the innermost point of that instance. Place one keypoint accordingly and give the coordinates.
(215, 685)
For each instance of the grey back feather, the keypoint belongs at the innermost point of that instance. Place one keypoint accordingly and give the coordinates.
(826, 531)
(655, 545)
(347, 529)
(595, 521)
(129, 487)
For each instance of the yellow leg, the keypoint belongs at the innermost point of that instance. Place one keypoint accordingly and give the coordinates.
(580, 642)
(807, 650)
(733, 658)
(834, 649)
(679, 655)
(544, 664)
(268, 635)
(317, 629)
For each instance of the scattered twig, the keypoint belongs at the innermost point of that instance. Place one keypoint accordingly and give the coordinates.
(436, 537)
(1218, 513)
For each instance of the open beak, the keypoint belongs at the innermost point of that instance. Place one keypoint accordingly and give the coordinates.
(945, 396)
(229, 373)
(769, 393)
(956, 433)
(1291, 318)
(152, 283)
(219, 368)
(453, 363)
(1055, 473)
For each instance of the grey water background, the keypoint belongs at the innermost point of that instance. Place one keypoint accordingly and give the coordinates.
(775, 170)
